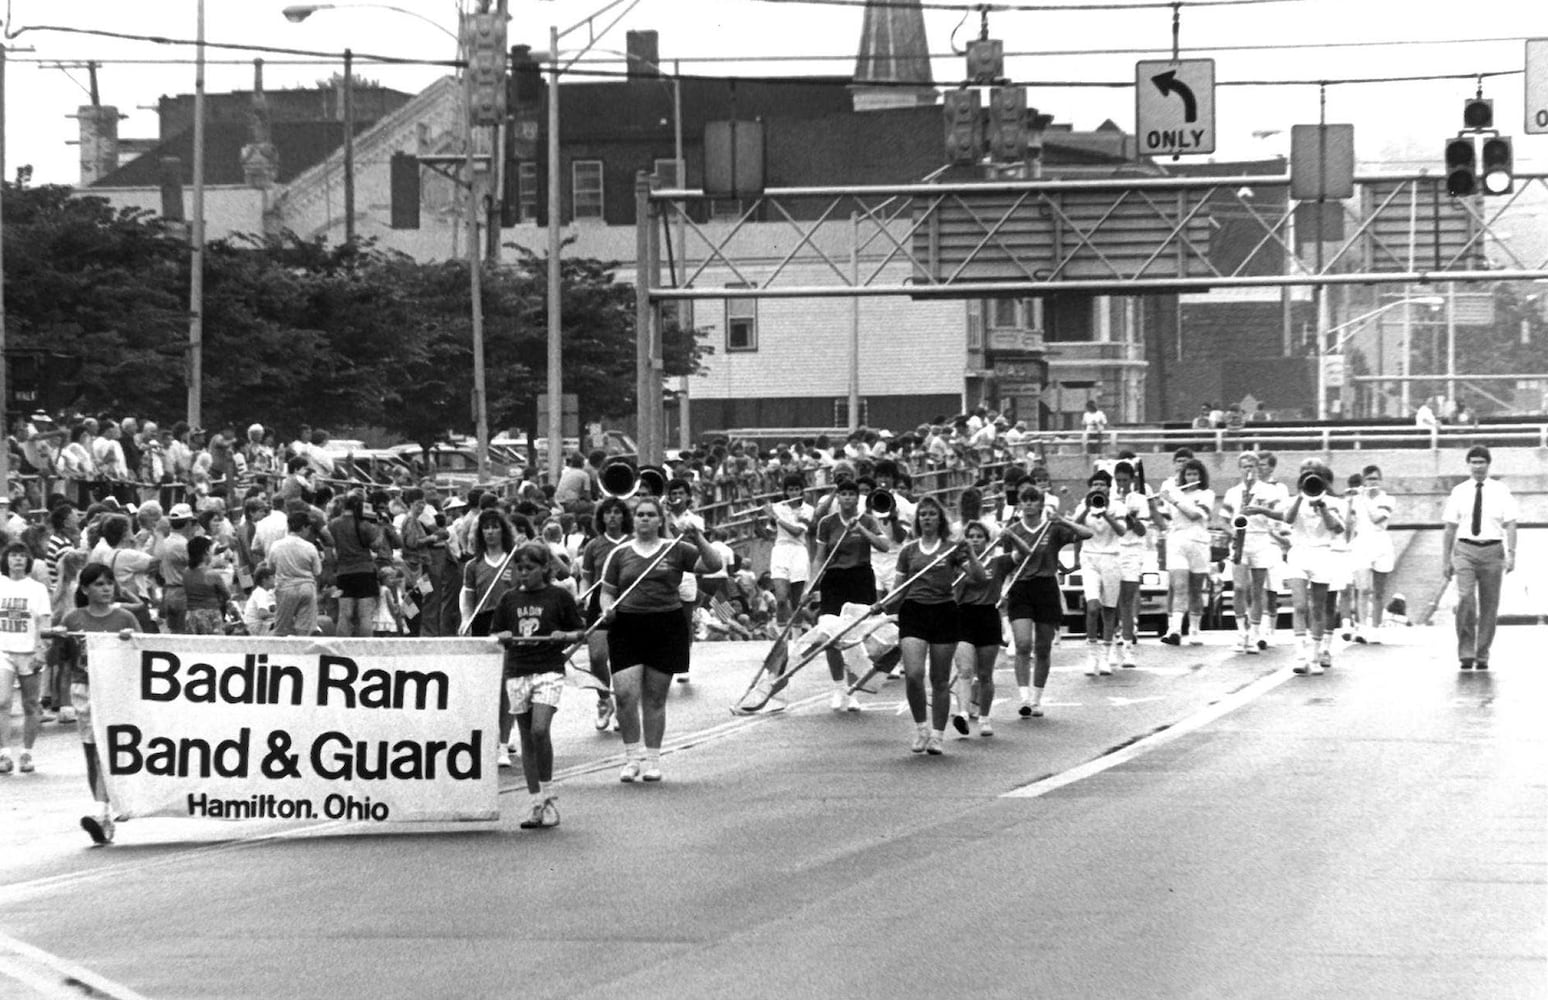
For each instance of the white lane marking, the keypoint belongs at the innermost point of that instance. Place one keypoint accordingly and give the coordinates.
(57, 977)
(1198, 720)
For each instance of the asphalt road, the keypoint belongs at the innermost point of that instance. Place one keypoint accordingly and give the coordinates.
(1208, 825)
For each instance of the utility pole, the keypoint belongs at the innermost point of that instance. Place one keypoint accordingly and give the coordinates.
(349, 146)
(195, 364)
(5, 396)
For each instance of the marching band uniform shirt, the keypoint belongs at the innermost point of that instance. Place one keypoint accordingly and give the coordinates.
(1104, 540)
(1045, 549)
(856, 548)
(658, 592)
(784, 514)
(1262, 495)
(935, 586)
(1309, 530)
(1182, 527)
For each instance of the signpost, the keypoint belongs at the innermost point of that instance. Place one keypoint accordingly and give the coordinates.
(1537, 86)
(1174, 106)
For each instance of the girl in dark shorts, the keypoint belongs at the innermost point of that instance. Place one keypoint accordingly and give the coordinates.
(848, 578)
(1034, 604)
(927, 621)
(647, 639)
(614, 525)
(978, 618)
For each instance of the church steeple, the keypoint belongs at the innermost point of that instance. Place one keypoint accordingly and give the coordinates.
(893, 68)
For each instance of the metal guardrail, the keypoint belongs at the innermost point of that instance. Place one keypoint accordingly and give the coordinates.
(1151, 437)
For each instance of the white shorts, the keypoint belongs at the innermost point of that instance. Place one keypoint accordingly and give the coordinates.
(1315, 563)
(1183, 552)
(790, 562)
(1277, 573)
(18, 665)
(534, 689)
(1100, 575)
(1343, 569)
(1131, 563)
(1260, 551)
(1375, 554)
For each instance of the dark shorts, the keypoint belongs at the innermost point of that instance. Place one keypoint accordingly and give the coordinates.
(657, 639)
(594, 610)
(853, 585)
(934, 623)
(358, 586)
(979, 625)
(1038, 599)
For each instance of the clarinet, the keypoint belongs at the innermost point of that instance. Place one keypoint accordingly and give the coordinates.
(1239, 540)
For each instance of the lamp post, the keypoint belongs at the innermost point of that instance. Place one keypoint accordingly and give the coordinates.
(1353, 326)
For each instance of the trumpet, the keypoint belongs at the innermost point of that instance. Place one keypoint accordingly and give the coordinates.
(1312, 485)
(621, 479)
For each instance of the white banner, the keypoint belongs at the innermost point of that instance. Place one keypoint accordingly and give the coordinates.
(297, 729)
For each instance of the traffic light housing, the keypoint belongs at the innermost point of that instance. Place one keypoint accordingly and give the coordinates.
(1461, 167)
(486, 69)
(964, 127)
(1008, 124)
(1498, 165)
(985, 61)
(1478, 113)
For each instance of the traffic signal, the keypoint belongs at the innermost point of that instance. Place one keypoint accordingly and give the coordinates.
(1008, 138)
(964, 127)
(486, 69)
(985, 61)
(1498, 169)
(1478, 113)
(1461, 164)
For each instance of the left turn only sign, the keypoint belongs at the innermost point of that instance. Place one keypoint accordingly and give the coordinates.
(1174, 106)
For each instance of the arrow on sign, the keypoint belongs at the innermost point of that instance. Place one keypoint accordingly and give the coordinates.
(1167, 83)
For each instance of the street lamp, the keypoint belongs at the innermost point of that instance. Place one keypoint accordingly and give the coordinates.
(1354, 326)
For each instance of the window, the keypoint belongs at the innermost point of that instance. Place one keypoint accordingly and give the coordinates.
(1068, 319)
(1004, 314)
(975, 324)
(841, 412)
(586, 189)
(741, 323)
(527, 191)
(666, 172)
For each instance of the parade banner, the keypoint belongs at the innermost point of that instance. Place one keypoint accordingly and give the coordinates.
(303, 729)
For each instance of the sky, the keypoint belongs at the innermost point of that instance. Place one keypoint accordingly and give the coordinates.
(1268, 57)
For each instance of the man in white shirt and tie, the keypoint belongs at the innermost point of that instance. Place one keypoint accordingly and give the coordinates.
(1480, 548)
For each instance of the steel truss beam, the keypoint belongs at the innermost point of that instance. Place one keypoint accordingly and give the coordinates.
(1117, 236)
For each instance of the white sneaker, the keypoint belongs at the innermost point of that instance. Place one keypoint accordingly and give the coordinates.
(24, 762)
(652, 771)
(66, 716)
(1094, 661)
(934, 747)
(1127, 657)
(1110, 660)
(837, 701)
(504, 760)
(985, 728)
(1243, 642)
(630, 772)
(851, 703)
(921, 741)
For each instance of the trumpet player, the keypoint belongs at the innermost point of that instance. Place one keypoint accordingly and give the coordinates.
(1186, 503)
(1247, 507)
(789, 563)
(1314, 522)
(1101, 572)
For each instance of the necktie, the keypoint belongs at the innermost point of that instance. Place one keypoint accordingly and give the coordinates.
(1478, 511)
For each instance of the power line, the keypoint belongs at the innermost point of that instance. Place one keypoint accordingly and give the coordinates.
(238, 46)
(1011, 8)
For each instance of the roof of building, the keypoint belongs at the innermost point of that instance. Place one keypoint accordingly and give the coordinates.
(644, 106)
(300, 146)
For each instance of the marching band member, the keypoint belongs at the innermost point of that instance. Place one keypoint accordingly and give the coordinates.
(1309, 567)
(1275, 582)
(1134, 509)
(614, 525)
(1187, 501)
(789, 562)
(648, 634)
(680, 518)
(849, 578)
(895, 522)
(1342, 607)
(927, 620)
(978, 618)
(1033, 601)
(1253, 549)
(1374, 556)
(1101, 572)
